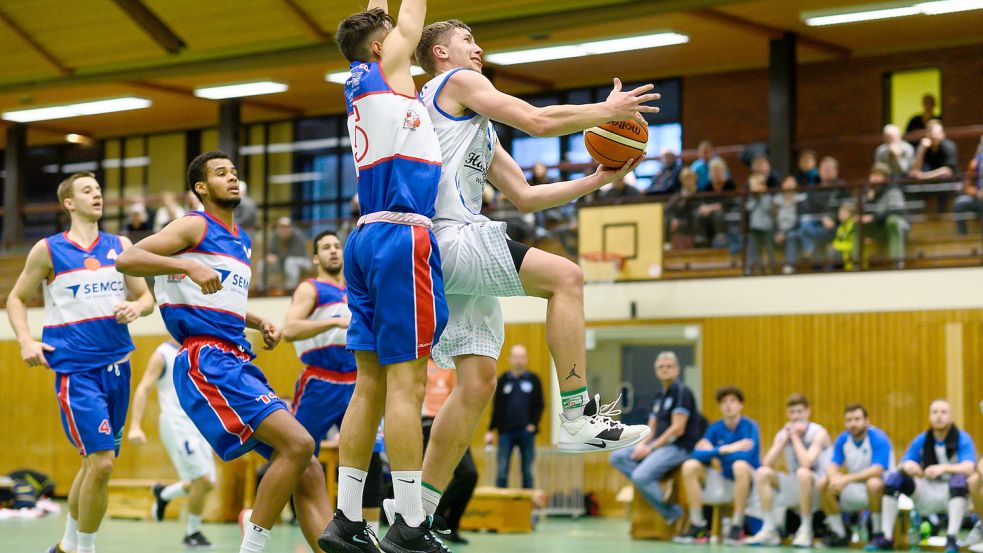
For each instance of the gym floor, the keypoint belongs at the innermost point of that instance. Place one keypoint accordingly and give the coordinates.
(604, 535)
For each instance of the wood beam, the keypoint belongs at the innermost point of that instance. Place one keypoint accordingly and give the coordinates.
(310, 26)
(189, 93)
(152, 25)
(49, 58)
(495, 72)
(771, 32)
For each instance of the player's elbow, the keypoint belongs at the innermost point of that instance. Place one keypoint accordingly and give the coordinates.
(125, 262)
(290, 333)
(538, 125)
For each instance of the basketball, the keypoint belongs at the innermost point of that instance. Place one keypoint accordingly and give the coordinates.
(615, 142)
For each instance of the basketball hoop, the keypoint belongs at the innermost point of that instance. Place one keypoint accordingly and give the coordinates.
(602, 267)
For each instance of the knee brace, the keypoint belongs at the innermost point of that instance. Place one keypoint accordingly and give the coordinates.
(958, 486)
(898, 483)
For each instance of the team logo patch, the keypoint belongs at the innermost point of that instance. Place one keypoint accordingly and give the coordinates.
(176, 279)
(75, 290)
(411, 121)
(92, 264)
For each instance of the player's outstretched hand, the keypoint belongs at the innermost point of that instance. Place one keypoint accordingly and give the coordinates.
(126, 312)
(207, 278)
(608, 174)
(631, 104)
(137, 436)
(32, 353)
(271, 335)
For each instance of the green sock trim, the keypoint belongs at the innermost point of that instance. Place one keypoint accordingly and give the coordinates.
(577, 392)
(432, 488)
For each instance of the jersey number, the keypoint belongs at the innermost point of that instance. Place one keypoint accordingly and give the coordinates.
(187, 448)
(360, 140)
(104, 428)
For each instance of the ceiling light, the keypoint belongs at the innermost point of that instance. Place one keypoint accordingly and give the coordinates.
(239, 90)
(79, 139)
(587, 48)
(341, 77)
(76, 110)
(888, 11)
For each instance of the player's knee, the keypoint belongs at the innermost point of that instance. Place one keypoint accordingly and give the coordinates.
(875, 485)
(203, 484)
(100, 466)
(572, 278)
(898, 483)
(958, 485)
(298, 450)
(691, 467)
(763, 473)
(803, 474)
(742, 469)
(478, 389)
(822, 484)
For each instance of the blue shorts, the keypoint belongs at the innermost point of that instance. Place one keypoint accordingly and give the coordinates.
(93, 406)
(224, 394)
(395, 291)
(321, 398)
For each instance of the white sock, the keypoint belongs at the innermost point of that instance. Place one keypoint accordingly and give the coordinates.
(574, 402)
(409, 497)
(737, 520)
(431, 498)
(889, 510)
(374, 526)
(957, 510)
(253, 538)
(86, 543)
(70, 540)
(875, 522)
(351, 483)
(194, 524)
(835, 523)
(807, 521)
(173, 491)
(696, 516)
(769, 522)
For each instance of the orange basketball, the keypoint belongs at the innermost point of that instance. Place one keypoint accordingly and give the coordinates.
(615, 142)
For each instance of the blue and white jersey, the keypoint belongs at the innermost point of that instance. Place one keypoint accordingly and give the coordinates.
(186, 310)
(397, 156)
(327, 350)
(966, 450)
(855, 456)
(170, 406)
(78, 304)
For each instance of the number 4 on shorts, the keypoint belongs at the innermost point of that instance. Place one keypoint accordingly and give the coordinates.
(104, 428)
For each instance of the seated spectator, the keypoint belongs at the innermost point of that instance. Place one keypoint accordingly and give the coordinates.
(936, 155)
(885, 218)
(681, 212)
(920, 121)
(622, 188)
(667, 181)
(702, 164)
(247, 212)
(897, 154)
(854, 479)
(722, 468)
(845, 240)
(971, 200)
(787, 221)
(289, 255)
(709, 219)
(761, 226)
(761, 165)
(720, 176)
(676, 427)
(817, 213)
(168, 211)
(807, 174)
(806, 448)
(934, 473)
(829, 172)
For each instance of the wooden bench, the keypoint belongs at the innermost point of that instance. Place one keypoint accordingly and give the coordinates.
(503, 510)
(646, 522)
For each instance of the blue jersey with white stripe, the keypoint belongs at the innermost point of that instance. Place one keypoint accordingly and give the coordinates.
(186, 310)
(327, 350)
(397, 156)
(79, 299)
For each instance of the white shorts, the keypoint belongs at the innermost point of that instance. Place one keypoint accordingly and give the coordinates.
(478, 269)
(788, 491)
(189, 451)
(717, 490)
(854, 498)
(931, 496)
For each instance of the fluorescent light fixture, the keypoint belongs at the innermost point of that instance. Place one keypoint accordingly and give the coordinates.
(341, 77)
(79, 139)
(587, 48)
(94, 107)
(239, 90)
(889, 11)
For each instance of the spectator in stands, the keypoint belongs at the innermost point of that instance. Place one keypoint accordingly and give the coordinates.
(935, 474)
(787, 221)
(516, 412)
(761, 165)
(191, 202)
(897, 154)
(681, 211)
(539, 174)
(137, 219)
(971, 200)
(289, 255)
(247, 213)
(702, 164)
(854, 479)
(168, 211)
(761, 225)
(885, 220)
(722, 468)
(817, 214)
(622, 188)
(920, 121)
(667, 181)
(845, 240)
(807, 174)
(806, 447)
(676, 426)
(720, 180)
(936, 155)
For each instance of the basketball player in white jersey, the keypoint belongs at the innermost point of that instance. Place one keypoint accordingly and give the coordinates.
(85, 342)
(479, 261)
(807, 449)
(188, 449)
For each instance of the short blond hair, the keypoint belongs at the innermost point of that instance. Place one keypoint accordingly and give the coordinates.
(66, 189)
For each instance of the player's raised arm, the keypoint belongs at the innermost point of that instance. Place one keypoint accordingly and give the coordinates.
(398, 48)
(151, 256)
(475, 92)
(36, 269)
(506, 175)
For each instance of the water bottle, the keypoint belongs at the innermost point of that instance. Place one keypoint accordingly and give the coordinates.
(863, 536)
(925, 532)
(914, 531)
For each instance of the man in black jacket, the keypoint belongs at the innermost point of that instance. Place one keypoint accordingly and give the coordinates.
(516, 412)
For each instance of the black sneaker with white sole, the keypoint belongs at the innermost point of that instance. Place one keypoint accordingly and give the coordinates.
(596, 430)
(197, 541)
(160, 504)
(346, 536)
(403, 538)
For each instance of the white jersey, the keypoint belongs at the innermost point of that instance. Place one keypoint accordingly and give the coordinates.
(811, 433)
(166, 396)
(467, 145)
